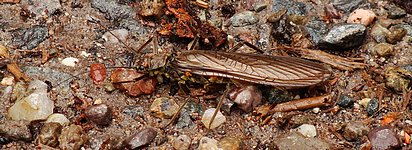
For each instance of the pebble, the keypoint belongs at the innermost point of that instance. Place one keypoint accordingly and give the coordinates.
(378, 33)
(114, 11)
(244, 18)
(133, 111)
(345, 101)
(344, 36)
(405, 4)
(362, 16)
(30, 38)
(119, 33)
(15, 130)
(382, 50)
(164, 107)
(354, 131)
(384, 138)
(347, 5)
(297, 141)
(394, 80)
(100, 114)
(207, 116)
(36, 106)
(58, 118)
(372, 107)
(184, 120)
(6, 81)
(307, 130)
(141, 138)
(49, 134)
(316, 110)
(38, 7)
(246, 98)
(396, 35)
(395, 12)
(98, 73)
(70, 61)
(72, 137)
(364, 102)
(206, 143)
(182, 142)
(230, 143)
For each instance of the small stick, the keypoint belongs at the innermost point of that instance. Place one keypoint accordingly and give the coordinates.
(302, 104)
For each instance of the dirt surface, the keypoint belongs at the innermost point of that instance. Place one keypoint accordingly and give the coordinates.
(75, 28)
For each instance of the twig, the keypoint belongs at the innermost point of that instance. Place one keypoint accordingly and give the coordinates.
(302, 104)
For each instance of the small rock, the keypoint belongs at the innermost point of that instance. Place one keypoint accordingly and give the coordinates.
(133, 111)
(246, 98)
(355, 130)
(230, 143)
(70, 61)
(113, 10)
(72, 137)
(396, 35)
(378, 32)
(382, 49)
(364, 102)
(274, 95)
(164, 107)
(361, 16)
(298, 120)
(260, 6)
(373, 107)
(206, 143)
(119, 33)
(297, 141)
(395, 12)
(30, 38)
(344, 36)
(49, 134)
(6, 81)
(58, 118)
(36, 106)
(347, 5)
(98, 73)
(15, 130)
(141, 138)
(394, 80)
(182, 142)
(244, 18)
(307, 130)
(316, 110)
(207, 116)
(38, 7)
(184, 121)
(143, 86)
(345, 101)
(384, 138)
(100, 114)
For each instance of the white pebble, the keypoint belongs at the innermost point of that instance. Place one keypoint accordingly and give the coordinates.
(58, 118)
(35, 106)
(7, 81)
(208, 144)
(85, 54)
(364, 102)
(207, 116)
(316, 110)
(307, 130)
(120, 33)
(70, 61)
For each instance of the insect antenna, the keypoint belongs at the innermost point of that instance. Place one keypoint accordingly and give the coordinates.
(219, 105)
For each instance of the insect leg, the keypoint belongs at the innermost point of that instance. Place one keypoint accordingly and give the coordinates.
(222, 98)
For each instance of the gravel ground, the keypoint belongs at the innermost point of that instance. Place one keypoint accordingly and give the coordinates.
(61, 45)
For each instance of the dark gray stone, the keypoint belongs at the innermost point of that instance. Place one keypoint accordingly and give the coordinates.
(343, 37)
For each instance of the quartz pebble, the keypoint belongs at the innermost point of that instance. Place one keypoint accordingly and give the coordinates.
(72, 137)
(207, 116)
(36, 106)
(58, 118)
(307, 130)
(208, 144)
(230, 143)
(362, 16)
(70, 61)
(182, 142)
(119, 33)
(246, 98)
